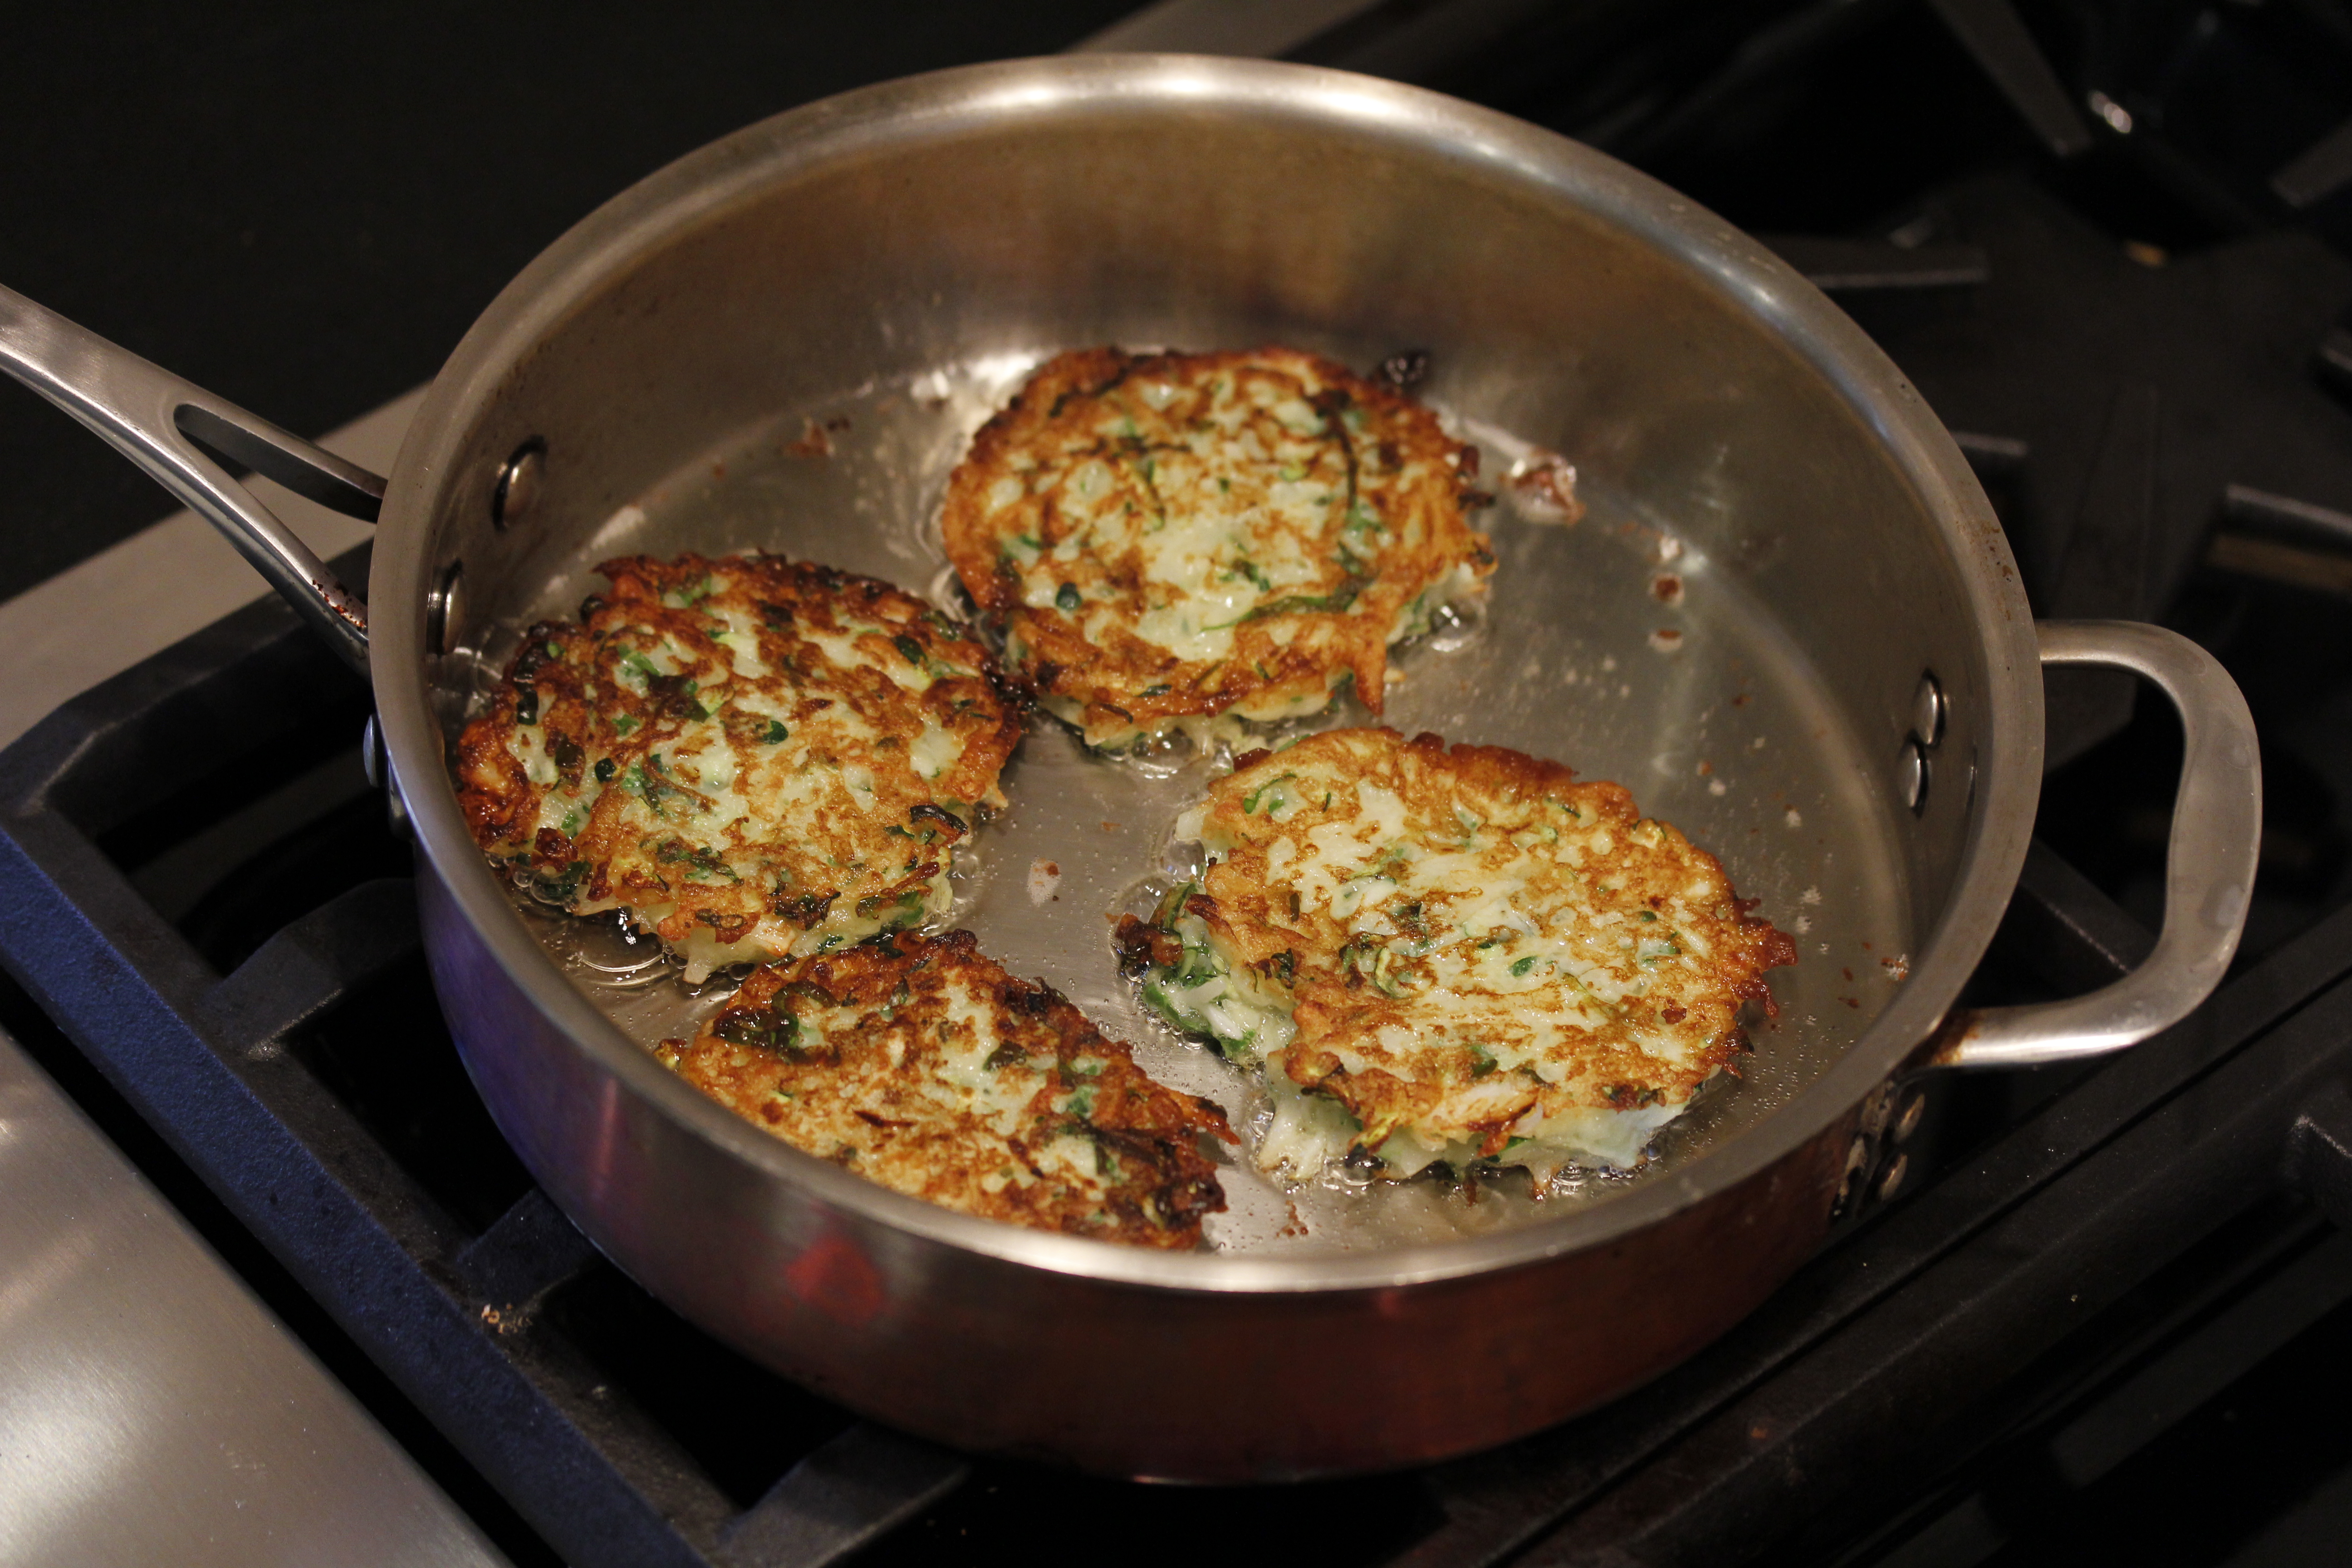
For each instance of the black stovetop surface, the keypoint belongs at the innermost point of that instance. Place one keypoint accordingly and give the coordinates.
(2096, 1321)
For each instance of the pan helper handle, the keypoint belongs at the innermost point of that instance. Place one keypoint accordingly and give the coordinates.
(186, 438)
(2208, 874)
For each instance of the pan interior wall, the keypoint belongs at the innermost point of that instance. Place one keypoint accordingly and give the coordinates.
(906, 288)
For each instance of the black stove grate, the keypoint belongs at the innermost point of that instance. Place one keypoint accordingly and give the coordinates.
(280, 1036)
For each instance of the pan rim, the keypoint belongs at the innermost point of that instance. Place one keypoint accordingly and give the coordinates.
(736, 168)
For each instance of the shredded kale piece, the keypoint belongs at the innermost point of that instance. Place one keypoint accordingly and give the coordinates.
(1336, 601)
(805, 911)
(770, 1028)
(559, 888)
(676, 696)
(699, 858)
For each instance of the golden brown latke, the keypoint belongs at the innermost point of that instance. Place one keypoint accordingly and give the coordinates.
(1169, 537)
(920, 1064)
(1474, 955)
(754, 757)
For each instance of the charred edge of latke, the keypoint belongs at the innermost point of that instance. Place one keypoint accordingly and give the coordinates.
(1155, 1129)
(1142, 946)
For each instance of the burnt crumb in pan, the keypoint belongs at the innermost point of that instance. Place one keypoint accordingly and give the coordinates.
(1167, 539)
(920, 1064)
(752, 758)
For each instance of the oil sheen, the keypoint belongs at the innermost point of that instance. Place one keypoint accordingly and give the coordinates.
(1612, 643)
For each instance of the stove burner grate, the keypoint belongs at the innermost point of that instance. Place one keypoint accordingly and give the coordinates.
(281, 1037)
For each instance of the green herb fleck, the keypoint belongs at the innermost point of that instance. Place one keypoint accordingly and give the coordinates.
(1249, 801)
(1336, 601)
(653, 790)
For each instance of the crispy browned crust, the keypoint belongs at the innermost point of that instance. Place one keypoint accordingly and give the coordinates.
(651, 836)
(1376, 447)
(857, 1077)
(1647, 870)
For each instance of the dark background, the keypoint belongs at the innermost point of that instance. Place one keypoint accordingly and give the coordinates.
(303, 208)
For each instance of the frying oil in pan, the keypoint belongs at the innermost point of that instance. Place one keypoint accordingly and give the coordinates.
(1611, 644)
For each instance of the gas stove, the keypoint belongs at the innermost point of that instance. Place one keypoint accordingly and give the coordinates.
(2078, 1313)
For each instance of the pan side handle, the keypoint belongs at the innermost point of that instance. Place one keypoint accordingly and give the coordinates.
(2208, 874)
(183, 436)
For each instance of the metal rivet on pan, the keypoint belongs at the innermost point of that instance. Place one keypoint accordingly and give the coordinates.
(520, 480)
(1889, 1183)
(1927, 712)
(444, 609)
(1911, 775)
(1908, 1122)
(1857, 1161)
(1405, 369)
(372, 758)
